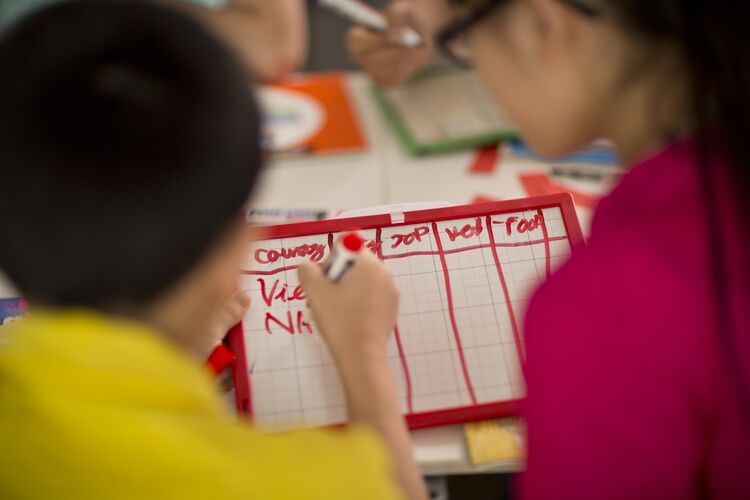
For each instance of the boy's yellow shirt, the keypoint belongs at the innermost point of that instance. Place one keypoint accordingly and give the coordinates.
(93, 407)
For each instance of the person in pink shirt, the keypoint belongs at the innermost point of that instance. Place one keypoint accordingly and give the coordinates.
(638, 348)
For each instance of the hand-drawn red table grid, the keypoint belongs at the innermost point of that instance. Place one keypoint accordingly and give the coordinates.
(465, 275)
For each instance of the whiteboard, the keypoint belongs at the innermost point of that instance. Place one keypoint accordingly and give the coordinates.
(465, 276)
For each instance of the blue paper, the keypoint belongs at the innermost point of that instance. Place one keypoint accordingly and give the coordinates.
(595, 155)
(11, 309)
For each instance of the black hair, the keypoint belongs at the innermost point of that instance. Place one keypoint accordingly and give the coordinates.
(129, 142)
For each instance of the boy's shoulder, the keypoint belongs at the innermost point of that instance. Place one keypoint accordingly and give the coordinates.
(110, 396)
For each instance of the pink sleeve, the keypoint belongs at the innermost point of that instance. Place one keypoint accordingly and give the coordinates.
(606, 414)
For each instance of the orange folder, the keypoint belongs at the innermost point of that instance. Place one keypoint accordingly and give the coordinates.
(333, 127)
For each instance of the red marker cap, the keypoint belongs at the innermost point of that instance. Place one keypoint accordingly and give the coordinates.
(353, 242)
(220, 359)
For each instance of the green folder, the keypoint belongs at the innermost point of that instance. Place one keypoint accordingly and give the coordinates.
(442, 110)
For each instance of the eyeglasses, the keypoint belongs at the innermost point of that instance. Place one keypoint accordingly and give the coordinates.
(452, 42)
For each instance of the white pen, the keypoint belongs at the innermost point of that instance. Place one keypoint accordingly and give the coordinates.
(366, 16)
(339, 261)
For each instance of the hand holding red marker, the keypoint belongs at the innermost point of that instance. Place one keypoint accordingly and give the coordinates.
(339, 261)
(354, 299)
(342, 256)
(355, 314)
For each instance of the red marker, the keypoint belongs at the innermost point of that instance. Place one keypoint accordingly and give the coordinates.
(220, 359)
(342, 256)
(338, 263)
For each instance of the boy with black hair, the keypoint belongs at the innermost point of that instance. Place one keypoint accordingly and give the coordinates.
(129, 142)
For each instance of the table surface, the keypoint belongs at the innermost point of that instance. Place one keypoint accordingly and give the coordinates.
(385, 174)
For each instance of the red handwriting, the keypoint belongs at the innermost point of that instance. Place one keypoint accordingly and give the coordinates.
(374, 246)
(290, 325)
(280, 293)
(409, 238)
(468, 231)
(315, 251)
(521, 225)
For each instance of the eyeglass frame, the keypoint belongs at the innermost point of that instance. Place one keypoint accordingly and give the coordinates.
(455, 29)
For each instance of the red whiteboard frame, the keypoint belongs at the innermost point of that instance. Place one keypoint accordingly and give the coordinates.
(485, 411)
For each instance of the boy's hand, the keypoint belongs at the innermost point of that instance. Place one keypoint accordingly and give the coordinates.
(356, 315)
(228, 313)
(386, 60)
